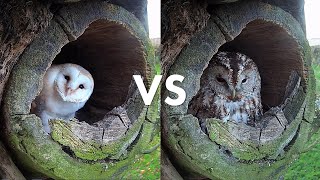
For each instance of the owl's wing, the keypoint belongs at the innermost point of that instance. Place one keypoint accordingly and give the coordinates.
(50, 76)
(202, 105)
(38, 105)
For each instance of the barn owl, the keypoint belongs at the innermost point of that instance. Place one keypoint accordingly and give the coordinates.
(229, 89)
(66, 88)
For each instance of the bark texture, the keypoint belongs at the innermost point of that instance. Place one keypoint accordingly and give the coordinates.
(105, 39)
(8, 169)
(179, 21)
(136, 7)
(20, 22)
(295, 8)
(236, 151)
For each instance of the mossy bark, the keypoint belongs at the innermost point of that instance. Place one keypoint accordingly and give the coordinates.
(231, 151)
(64, 155)
(136, 7)
(20, 23)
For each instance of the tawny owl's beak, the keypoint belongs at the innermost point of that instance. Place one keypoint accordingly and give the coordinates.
(233, 94)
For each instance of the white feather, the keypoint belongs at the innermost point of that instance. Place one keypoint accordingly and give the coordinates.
(61, 98)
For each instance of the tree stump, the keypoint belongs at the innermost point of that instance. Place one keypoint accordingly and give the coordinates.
(114, 125)
(277, 44)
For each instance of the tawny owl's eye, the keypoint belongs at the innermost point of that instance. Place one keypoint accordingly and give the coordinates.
(244, 81)
(81, 86)
(67, 77)
(220, 79)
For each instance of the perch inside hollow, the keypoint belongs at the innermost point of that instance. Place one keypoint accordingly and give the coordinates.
(112, 45)
(230, 150)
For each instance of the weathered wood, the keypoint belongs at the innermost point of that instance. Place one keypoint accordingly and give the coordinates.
(113, 45)
(247, 142)
(108, 138)
(237, 151)
(274, 123)
(179, 21)
(20, 22)
(136, 7)
(8, 169)
(292, 88)
(168, 171)
(115, 124)
(295, 8)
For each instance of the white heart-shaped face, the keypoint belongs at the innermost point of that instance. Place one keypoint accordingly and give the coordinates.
(74, 83)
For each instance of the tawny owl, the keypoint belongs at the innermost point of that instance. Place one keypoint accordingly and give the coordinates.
(229, 89)
(66, 88)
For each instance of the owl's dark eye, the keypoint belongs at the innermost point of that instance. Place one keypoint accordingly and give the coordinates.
(244, 80)
(67, 77)
(220, 79)
(81, 86)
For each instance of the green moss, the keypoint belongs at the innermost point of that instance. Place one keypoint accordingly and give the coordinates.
(316, 69)
(35, 150)
(146, 166)
(219, 133)
(246, 149)
(92, 150)
(191, 148)
(153, 110)
(307, 166)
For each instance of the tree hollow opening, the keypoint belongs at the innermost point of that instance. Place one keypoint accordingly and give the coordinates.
(276, 53)
(275, 41)
(112, 45)
(112, 55)
(278, 58)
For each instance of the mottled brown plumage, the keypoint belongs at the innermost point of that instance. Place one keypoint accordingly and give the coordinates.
(229, 89)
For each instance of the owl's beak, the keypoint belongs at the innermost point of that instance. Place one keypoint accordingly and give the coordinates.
(69, 91)
(233, 95)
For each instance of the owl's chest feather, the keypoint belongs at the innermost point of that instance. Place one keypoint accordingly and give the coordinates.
(239, 111)
(61, 108)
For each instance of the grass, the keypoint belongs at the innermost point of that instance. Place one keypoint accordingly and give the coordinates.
(307, 166)
(146, 166)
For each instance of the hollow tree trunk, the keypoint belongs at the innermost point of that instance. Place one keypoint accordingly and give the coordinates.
(109, 41)
(8, 169)
(20, 23)
(276, 42)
